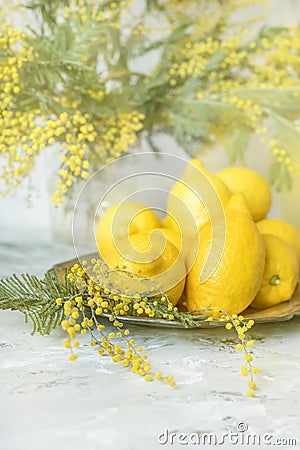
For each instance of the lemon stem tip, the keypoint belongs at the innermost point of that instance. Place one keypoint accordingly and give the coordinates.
(274, 280)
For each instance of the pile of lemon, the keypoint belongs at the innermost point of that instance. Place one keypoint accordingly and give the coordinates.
(215, 223)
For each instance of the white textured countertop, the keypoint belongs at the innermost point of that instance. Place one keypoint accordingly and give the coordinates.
(48, 402)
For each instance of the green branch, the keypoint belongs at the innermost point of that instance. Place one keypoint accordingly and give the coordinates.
(36, 299)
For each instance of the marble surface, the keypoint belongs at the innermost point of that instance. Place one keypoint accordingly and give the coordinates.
(48, 402)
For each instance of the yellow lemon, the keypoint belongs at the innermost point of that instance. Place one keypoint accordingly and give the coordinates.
(254, 187)
(281, 273)
(171, 235)
(150, 256)
(123, 219)
(194, 199)
(185, 244)
(237, 277)
(287, 232)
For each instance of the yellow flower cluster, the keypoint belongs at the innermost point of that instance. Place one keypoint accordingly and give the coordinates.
(24, 133)
(284, 165)
(94, 142)
(88, 12)
(76, 131)
(15, 53)
(118, 133)
(217, 60)
(100, 295)
(282, 157)
(11, 63)
(24, 136)
(82, 315)
(75, 86)
(150, 302)
(86, 140)
(282, 62)
(241, 327)
(240, 75)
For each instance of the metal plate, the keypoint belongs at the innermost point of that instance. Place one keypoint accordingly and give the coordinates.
(282, 312)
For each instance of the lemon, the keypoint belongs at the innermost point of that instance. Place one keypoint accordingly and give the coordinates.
(123, 219)
(171, 235)
(281, 273)
(255, 188)
(282, 229)
(194, 198)
(148, 256)
(186, 245)
(237, 278)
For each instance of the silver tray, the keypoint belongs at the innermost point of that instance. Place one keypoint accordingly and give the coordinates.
(282, 312)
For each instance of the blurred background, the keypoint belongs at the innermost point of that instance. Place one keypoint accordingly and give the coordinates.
(30, 205)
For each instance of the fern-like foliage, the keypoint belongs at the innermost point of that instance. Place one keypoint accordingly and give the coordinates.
(36, 298)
